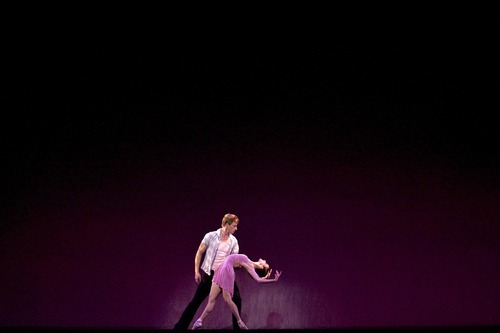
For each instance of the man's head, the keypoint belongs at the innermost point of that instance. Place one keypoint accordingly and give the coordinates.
(230, 223)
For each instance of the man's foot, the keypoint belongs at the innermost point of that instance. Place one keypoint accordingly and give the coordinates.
(197, 324)
(242, 325)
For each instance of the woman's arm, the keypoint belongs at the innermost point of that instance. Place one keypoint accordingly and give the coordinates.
(249, 268)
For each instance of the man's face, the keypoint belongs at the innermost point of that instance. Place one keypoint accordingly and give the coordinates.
(231, 228)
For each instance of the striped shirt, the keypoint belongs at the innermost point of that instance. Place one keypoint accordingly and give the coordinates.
(212, 241)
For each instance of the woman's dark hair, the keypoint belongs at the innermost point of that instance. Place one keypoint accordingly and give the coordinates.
(262, 272)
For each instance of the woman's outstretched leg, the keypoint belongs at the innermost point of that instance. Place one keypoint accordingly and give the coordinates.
(212, 297)
(234, 309)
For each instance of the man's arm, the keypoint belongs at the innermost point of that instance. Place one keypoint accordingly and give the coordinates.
(197, 260)
(236, 248)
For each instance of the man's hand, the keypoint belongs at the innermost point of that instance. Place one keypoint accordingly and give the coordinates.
(197, 259)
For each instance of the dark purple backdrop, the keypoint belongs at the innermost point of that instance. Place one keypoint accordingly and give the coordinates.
(358, 151)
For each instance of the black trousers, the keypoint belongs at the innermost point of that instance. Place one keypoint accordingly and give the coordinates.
(200, 295)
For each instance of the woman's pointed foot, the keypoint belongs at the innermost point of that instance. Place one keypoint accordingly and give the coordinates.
(197, 324)
(242, 325)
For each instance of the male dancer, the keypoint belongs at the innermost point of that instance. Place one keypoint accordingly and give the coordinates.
(216, 245)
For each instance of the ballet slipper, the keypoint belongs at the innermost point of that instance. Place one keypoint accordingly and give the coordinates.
(197, 324)
(242, 325)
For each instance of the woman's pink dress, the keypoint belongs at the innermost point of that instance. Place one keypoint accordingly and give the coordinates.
(224, 275)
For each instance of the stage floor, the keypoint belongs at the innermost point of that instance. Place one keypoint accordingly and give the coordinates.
(339, 330)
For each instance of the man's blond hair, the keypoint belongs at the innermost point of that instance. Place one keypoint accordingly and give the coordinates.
(230, 219)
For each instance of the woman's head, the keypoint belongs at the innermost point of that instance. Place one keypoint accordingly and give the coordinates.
(262, 268)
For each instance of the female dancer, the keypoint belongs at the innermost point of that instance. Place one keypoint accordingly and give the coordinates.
(224, 280)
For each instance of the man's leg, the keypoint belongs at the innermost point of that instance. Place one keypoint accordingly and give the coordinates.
(237, 301)
(201, 293)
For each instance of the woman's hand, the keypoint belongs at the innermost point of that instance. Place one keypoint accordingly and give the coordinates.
(277, 275)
